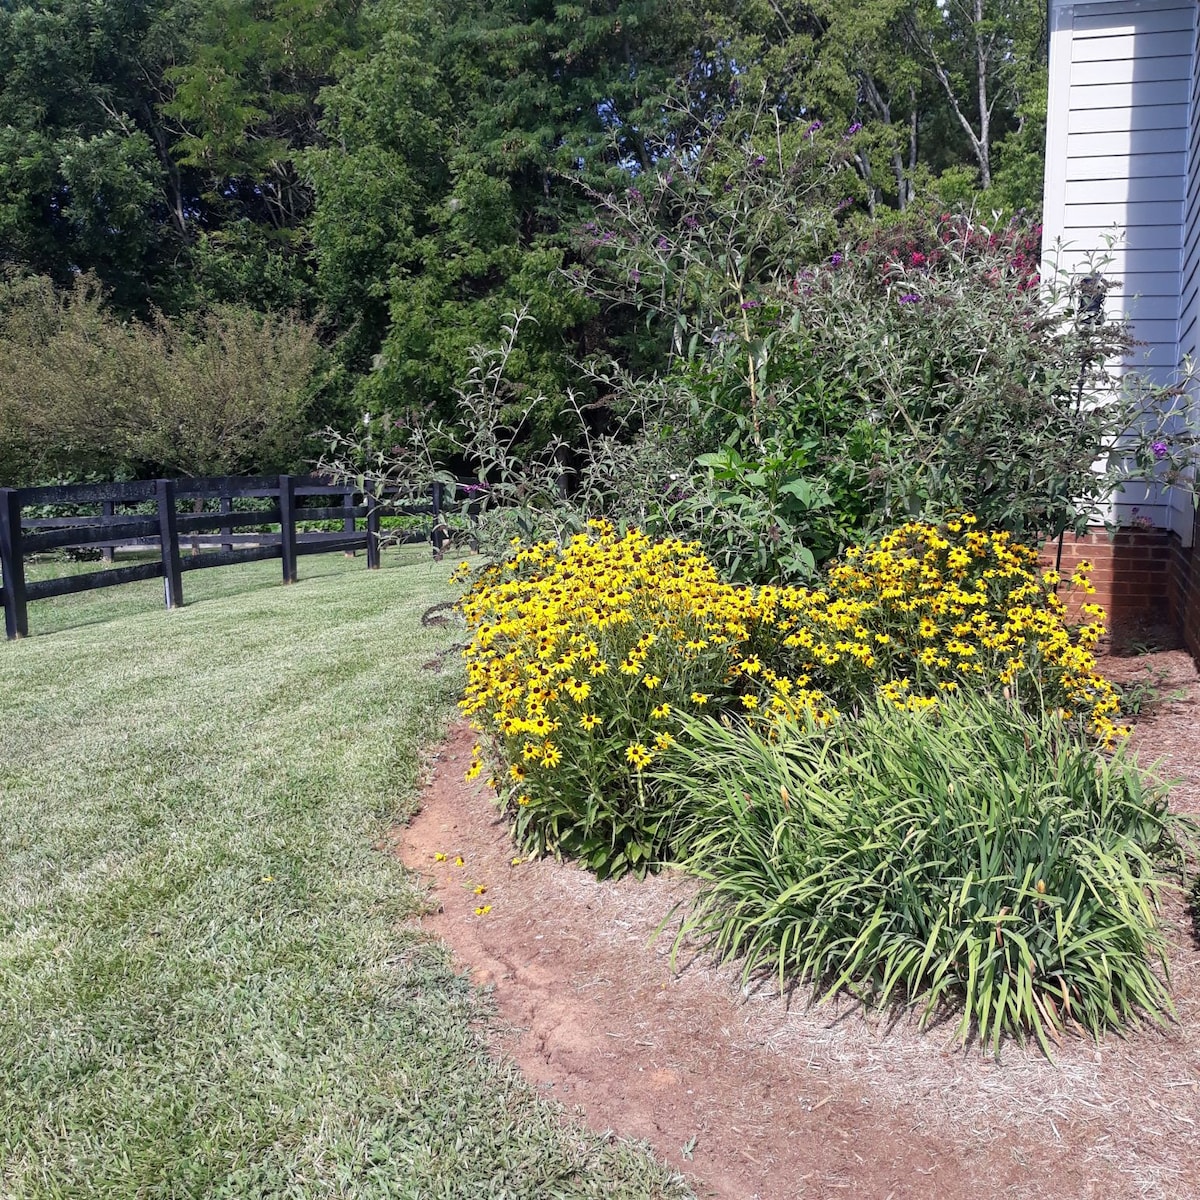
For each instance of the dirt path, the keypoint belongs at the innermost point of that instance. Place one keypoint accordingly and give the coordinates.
(758, 1099)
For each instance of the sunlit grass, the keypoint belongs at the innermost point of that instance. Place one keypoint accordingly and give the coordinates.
(208, 984)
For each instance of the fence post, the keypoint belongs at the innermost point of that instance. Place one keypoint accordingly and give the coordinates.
(440, 533)
(349, 525)
(372, 531)
(227, 530)
(287, 526)
(168, 538)
(12, 566)
(107, 510)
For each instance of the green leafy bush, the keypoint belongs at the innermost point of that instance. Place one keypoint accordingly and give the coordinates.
(979, 858)
(227, 391)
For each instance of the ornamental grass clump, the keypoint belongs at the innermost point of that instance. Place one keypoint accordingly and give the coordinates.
(976, 859)
(584, 657)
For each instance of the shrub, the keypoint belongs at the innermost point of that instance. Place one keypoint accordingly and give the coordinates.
(585, 657)
(582, 660)
(980, 857)
(220, 392)
(929, 610)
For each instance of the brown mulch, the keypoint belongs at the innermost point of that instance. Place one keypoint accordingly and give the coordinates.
(758, 1096)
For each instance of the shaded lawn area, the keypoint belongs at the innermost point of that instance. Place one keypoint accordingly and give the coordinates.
(207, 986)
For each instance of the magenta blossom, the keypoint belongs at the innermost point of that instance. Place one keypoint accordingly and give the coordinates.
(1159, 450)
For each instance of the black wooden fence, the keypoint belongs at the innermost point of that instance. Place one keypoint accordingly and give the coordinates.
(211, 537)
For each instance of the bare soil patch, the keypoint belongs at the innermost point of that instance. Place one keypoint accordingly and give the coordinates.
(758, 1096)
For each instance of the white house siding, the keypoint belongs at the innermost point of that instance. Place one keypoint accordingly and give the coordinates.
(1122, 74)
(1182, 512)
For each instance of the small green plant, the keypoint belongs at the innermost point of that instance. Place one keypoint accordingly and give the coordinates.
(979, 859)
(1139, 696)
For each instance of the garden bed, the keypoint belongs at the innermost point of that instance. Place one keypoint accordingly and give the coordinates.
(754, 1095)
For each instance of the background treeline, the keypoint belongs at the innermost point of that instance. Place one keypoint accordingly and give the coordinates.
(304, 209)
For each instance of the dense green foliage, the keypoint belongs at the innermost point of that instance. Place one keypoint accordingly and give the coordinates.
(409, 173)
(980, 861)
(222, 391)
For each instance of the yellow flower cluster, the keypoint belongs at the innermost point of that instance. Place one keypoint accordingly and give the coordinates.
(585, 657)
(605, 642)
(928, 610)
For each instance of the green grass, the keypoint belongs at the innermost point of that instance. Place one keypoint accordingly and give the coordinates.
(209, 985)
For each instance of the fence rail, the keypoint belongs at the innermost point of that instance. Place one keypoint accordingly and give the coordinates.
(22, 535)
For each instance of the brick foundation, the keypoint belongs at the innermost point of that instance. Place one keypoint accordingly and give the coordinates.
(1146, 581)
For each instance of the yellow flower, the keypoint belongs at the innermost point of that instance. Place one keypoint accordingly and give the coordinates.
(589, 721)
(701, 697)
(516, 862)
(651, 681)
(474, 769)
(551, 755)
(638, 756)
(523, 799)
(459, 861)
(750, 702)
(483, 910)
(439, 857)
(516, 772)
(481, 890)
(664, 741)
(660, 711)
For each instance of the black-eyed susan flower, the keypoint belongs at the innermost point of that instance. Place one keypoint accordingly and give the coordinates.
(638, 756)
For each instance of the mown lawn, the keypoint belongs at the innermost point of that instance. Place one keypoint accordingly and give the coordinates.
(207, 983)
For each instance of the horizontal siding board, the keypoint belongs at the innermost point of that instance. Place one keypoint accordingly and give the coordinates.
(1122, 185)
(1134, 118)
(1150, 308)
(1148, 283)
(1164, 331)
(1163, 172)
(1109, 94)
(1134, 239)
(1175, 69)
(1177, 18)
(1132, 215)
(1127, 142)
(1074, 259)
(1141, 45)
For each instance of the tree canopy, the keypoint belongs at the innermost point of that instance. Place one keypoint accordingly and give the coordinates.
(405, 172)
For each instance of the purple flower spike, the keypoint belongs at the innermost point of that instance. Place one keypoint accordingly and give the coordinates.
(853, 129)
(910, 298)
(1160, 450)
(750, 304)
(813, 128)
(835, 260)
